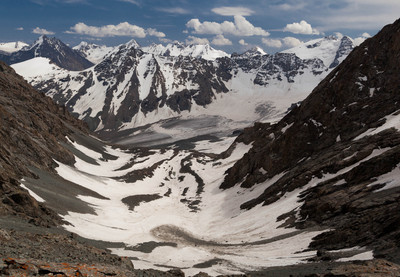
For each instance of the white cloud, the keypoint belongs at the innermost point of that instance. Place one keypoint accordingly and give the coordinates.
(291, 41)
(275, 43)
(20, 29)
(359, 40)
(196, 40)
(131, 1)
(232, 11)
(221, 40)
(242, 42)
(165, 40)
(240, 27)
(123, 29)
(41, 31)
(301, 28)
(289, 7)
(154, 33)
(176, 10)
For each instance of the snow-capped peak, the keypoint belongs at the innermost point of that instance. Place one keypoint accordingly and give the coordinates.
(93, 52)
(39, 41)
(203, 51)
(256, 51)
(132, 44)
(324, 49)
(83, 45)
(11, 47)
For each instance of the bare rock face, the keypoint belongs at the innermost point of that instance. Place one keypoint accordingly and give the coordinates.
(332, 147)
(31, 129)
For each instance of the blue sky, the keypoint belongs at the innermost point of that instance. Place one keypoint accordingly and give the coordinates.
(230, 25)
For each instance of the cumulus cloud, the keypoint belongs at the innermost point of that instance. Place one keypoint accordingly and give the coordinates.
(232, 11)
(240, 27)
(221, 40)
(41, 31)
(242, 42)
(301, 28)
(123, 29)
(291, 41)
(196, 40)
(20, 29)
(275, 43)
(165, 40)
(176, 10)
(154, 33)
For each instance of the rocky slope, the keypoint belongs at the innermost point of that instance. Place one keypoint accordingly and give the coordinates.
(341, 149)
(52, 48)
(31, 129)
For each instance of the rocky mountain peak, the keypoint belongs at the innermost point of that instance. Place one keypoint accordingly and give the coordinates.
(132, 44)
(52, 48)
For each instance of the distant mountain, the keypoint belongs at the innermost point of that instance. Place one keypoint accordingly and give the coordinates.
(93, 52)
(11, 47)
(134, 86)
(205, 51)
(52, 48)
(331, 50)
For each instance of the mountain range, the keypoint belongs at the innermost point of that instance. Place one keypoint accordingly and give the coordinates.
(133, 86)
(313, 190)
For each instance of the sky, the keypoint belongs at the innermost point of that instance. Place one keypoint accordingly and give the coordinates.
(229, 25)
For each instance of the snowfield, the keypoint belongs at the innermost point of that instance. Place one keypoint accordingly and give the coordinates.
(169, 216)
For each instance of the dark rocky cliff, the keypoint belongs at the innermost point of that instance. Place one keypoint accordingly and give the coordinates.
(318, 147)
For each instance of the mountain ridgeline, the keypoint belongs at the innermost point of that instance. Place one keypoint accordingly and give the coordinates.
(52, 48)
(133, 86)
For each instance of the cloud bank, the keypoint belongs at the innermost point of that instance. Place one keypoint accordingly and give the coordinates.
(302, 27)
(123, 29)
(240, 27)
